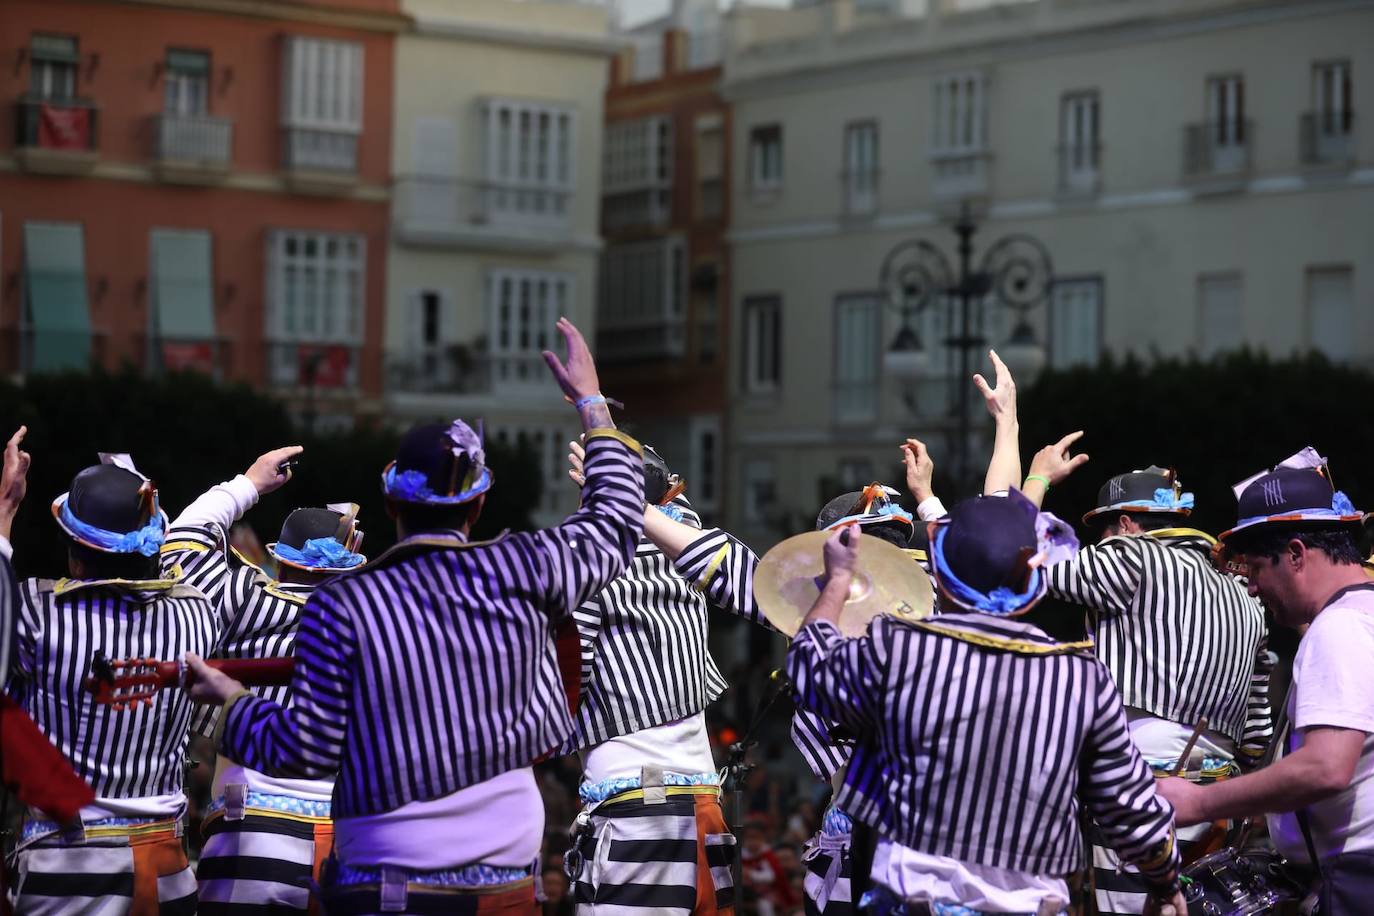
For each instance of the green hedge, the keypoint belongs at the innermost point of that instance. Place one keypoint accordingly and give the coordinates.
(188, 433)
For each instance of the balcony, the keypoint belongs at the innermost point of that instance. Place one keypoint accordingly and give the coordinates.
(649, 339)
(320, 161)
(313, 367)
(959, 174)
(56, 136)
(1080, 169)
(463, 370)
(504, 216)
(25, 350)
(641, 208)
(192, 148)
(1216, 155)
(210, 356)
(1328, 138)
(860, 193)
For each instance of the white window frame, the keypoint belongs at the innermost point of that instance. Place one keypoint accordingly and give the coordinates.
(960, 114)
(186, 93)
(522, 306)
(330, 289)
(1344, 337)
(705, 455)
(858, 328)
(1207, 287)
(323, 89)
(766, 158)
(529, 159)
(762, 318)
(1332, 91)
(1226, 111)
(1080, 127)
(51, 77)
(1067, 302)
(862, 152)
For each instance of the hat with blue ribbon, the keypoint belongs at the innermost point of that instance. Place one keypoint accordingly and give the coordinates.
(112, 508)
(874, 509)
(1297, 492)
(1155, 490)
(438, 465)
(988, 553)
(321, 540)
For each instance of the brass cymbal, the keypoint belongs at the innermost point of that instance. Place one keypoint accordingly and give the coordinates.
(886, 581)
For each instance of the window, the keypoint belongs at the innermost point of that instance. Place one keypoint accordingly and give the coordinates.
(1331, 312)
(861, 167)
(960, 114)
(56, 322)
(858, 326)
(1331, 97)
(529, 160)
(1221, 313)
(643, 300)
(765, 158)
(855, 474)
(762, 344)
(187, 82)
(1078, 141)
(522, 306)
(181, 312)
(548, 446)
(1226, 111)
(316, 288)
(648, 57)
(760, 491)
(705, 285)
(703, 482)
(1076, 322)
(637, 172)
(322, 103)
(53, 62)
(710, 167)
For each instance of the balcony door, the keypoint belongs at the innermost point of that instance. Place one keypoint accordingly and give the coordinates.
(1226, 122)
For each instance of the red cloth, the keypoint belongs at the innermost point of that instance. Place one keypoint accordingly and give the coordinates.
(331, 365)
(36, 770)
(765, 875)
(569, 647)
(64, 128)
(177, 355)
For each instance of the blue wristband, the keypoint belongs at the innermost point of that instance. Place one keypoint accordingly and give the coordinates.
(581, 403)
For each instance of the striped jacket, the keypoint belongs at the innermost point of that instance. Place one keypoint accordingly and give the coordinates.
(979, 738)
(1181, 639)
(722, 568)
(135, 753)
(433, 668)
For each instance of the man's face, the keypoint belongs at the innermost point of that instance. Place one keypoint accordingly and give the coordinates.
(1274, 582)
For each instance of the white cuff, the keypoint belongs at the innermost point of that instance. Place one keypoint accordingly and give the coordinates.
(6, 548)
(930, 509)
(223, 504)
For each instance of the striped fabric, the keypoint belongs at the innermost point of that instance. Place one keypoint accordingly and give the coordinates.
(1181, 640)
(986, 733)
(260, 865)
(722, 568)
(829, 870)
(654, 859)
(108, 876)
(644, 655)
(434, 668)
(121, 754)
(9, 604)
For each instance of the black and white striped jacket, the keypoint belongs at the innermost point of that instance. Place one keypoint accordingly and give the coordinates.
(1181, 639)
(979, 737)
(134, 753)
(433, 668)
(644, 653)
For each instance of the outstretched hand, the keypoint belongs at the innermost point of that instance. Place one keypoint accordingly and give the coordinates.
(577, 374)
(920, 469)
(1001, 400)
(1054, 463)
(267, 472)
(14, 479)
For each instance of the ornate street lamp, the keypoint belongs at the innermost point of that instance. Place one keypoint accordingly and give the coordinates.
(1015, 273)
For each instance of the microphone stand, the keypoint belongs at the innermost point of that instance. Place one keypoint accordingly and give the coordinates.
(737, 768)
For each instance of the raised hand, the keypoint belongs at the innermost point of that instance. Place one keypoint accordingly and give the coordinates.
(920, 469)
(1001, 400)
(14, 479)
(267, 473)
(1054, 463)
(576, 376)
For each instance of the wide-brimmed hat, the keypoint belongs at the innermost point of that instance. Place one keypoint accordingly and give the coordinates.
(438, 465)
(1293, 497)
(987, 555)
(320, 540)
(873, 507)
(1155, 490)
(112, 509)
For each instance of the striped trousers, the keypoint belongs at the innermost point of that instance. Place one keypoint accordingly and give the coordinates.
(105, 876)
(516, 899)
(262, 864)
(667, 858)
(828, 872)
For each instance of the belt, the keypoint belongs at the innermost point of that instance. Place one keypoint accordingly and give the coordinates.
(78, 833)
(236, 802)
(668, 791)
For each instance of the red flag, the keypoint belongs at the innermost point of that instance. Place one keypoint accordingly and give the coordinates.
(199, 357)
(64, 128)
(331, 365)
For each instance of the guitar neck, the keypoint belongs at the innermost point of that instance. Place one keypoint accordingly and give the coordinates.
(250, 672)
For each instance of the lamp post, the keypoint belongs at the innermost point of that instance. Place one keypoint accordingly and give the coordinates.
(1015, 273)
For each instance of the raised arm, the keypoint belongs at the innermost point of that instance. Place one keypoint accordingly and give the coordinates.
(1004, 468)
(920, 471)
(14, 484)
(1051, 465)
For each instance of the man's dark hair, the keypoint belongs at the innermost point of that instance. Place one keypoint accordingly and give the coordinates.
(1148, 521)
(1337, 543)
(97, 564)
(417, 517)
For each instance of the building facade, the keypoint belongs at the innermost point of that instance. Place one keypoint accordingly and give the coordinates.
(1196, 193)
(199, 185)
(497, 152)
(662, 305)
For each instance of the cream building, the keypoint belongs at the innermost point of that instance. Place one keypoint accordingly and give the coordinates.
(494, 235)
(1199, 170)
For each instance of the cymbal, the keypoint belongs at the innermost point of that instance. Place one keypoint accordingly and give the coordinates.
(886, 581)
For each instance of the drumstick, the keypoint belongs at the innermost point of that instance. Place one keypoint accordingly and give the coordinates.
(1188, 748)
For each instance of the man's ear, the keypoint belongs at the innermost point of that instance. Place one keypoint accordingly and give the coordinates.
(1296, 553)
(476, 510)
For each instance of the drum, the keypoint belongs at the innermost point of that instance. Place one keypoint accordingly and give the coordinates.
(1241, 882)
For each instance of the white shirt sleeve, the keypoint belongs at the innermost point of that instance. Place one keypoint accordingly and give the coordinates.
(1335, 679)
(6, 548)
(930, 509)
(222, 504)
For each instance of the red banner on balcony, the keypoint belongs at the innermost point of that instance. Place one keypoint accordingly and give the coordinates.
(328, 364)
(195, 357)
(64, 128)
